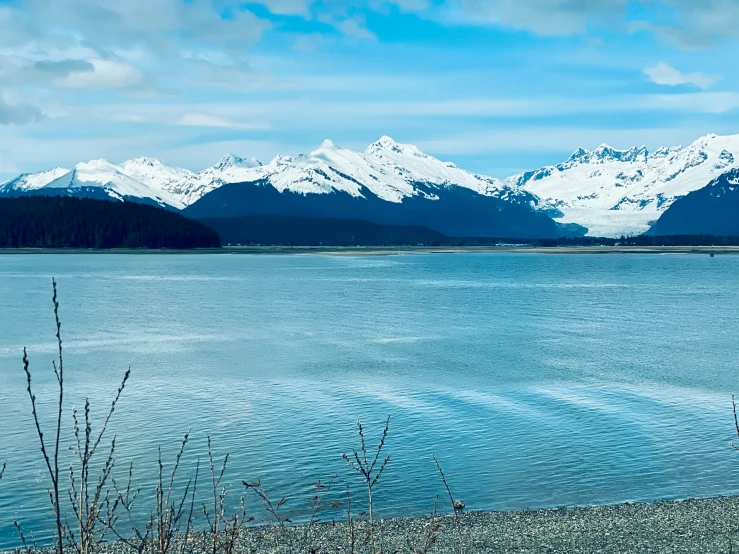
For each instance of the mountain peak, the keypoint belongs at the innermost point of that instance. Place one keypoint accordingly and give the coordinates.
(386, 141)
(231, 160)
(579, 154)
(388, 144)
(100, 163)
(606, 153)
(144, 161)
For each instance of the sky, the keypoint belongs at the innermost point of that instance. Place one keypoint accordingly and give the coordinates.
(496, 86)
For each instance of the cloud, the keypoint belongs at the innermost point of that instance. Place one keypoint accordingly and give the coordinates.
(105, 74)
(695, 25)
(161, 26)
(209, 120)
(543, 17)
(356, 29)
(691, 24)
(63, 67)
(18, 114)
(663, 74)
(119, 44)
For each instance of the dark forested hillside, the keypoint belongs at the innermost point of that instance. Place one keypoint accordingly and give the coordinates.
(456, 212)
(304, 231)
(64, 222)
(712, 210)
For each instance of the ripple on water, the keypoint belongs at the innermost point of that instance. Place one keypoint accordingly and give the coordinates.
(537, 381)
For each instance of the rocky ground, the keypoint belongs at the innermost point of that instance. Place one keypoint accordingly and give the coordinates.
(692, 526)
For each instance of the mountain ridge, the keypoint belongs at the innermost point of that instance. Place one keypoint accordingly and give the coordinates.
(610, 192)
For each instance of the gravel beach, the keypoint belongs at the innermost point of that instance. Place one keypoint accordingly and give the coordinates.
(692, 526)
(686, 526)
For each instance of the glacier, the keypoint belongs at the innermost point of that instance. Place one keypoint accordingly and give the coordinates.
(624, 192)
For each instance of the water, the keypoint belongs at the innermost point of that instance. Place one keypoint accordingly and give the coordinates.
(536, 380)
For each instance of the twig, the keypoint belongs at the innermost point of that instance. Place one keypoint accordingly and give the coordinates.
(350, 521)
(273, 510)
(167, 520)
(736, 421)
(362, 466)
(52, 464)
(455, 506)
(23, 538)
(316, 506)
(431, 535)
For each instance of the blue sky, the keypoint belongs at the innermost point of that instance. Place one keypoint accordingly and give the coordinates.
(496, 86)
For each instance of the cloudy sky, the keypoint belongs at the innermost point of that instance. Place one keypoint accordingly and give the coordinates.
(496, 86)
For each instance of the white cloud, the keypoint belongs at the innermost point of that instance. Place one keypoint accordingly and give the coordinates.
(119, 44)
(209, 120)
(105, 74)
(664, 74)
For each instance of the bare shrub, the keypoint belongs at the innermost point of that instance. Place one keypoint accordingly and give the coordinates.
(366, 469)
(100, 506)
(224, 529)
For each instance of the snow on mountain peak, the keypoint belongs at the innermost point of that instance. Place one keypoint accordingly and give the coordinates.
(579, 154)
(384, 142)
(606, 153)
(228, 161)
(387, 146)
(33, 181)
(105, 175)
(615, 192)
(328, 145)
(146, 162)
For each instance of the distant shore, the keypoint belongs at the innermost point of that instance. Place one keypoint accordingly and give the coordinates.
(391, 250)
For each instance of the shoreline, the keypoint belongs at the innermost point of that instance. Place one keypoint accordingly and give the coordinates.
(679, 526)
(388, 251)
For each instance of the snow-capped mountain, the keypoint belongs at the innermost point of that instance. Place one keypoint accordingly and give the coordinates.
(388, 183)
(101, 174)
(610, 192)
(388, 170)
(622, 192)
(32, 181)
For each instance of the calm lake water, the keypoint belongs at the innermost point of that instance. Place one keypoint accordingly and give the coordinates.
(536, 380)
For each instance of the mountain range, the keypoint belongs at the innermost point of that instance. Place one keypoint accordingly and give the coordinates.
(604, 192)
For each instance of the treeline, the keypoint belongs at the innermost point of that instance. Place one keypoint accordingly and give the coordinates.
(642, 240)
(277, 230)
(67, 222)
